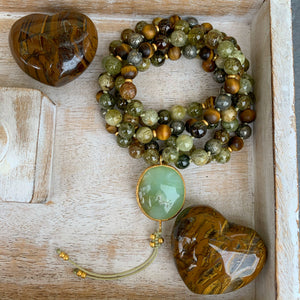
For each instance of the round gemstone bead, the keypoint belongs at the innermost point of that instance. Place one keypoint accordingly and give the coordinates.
(198, 129)
(106, 82)
(123, 142)
(228, 114)
(131, 119)
(219, 75)
(225, 48)
(126, 34)
(223, 136)
(223, 102)
(195, 110)
(230, 126)
(135, 39)
(135, 108)
(213, 38)
(213, 146)
(171, 141)
(174, 53)
(247, 116)
(236, 143)
(243, 102)
(126, 130)
(150, 117)
(145, 65)
(139, 26)
(161, 192)
(107, 101)
(128, 90)
(184, 142)
(178, 38)
(178, 112)
(195, 36)
(220, 62)
(192, 21)
(170, 155)
(189, 51)
(238, 55)
(224, 156)
(149, 31)
(199, 157)
(177, 127)
(113, 45)
(151, 156)
(163, 132)
(183, 161)
(113, 117)
(152, 145)
(164, 116)
(232, 66)
(245, 86)
(136, 150)
(244, 131)
(158, 59)
(118, 82)
(182, 25)
(211, 115)
(144, 135)
(112, 65)
(135, 57)
(205, 53)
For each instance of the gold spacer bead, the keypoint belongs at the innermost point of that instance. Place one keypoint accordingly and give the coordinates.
(128, 80)
(154, 47)
(152, 236)
(205, 122)
(83, 275)
(62, 254)
(215, 57)
(166, 56)
(117, 133)
(79, 273)
(234, 76)
(203, 105)
(157, 28)
(152, 244)
(230, 150)
(160, 240)
(66, 257)
(119, 58)
(154, 133)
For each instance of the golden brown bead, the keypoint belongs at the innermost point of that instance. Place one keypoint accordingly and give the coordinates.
(126, 34)
(98, 96)
(209, 102)
(122, 51)
(131, 119)
(189, 123)
(247, 116)
(156, 21)
(128, 90)
(129, 71)
(149, 31)
(211, 115)
(136, 150)
(147, 50)
(206, 27)
(111, 129)
(228, 114)
(163, 132)
(174, 53)
(208, 65)
(232, 85)
(173, 19)
(236, 143)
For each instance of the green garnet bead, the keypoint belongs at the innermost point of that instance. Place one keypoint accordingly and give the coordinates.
(113, 117)
(232, 66)
(112, 65)
(184, 142)
(161, 192)
(178, 112)
(170, 155)
(126, 130)
(135, 108)
(178, 38)
(144, 135)
(224, 156)
(200, 157)
(150, 117)
(225, 48)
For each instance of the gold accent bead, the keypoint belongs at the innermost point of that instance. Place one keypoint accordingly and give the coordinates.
(203, 105)
(119, 58)
(205, 122)
(152, 244)
(83, 275)
(154, 133)
(160, 240)
(62, 254)
(154, 47)
(79, 273)
(157, 28)
(128, 80)
(166, 56)
(234, 76)
(230, 150)
(215, 57)
(152, 236)
(66, 257)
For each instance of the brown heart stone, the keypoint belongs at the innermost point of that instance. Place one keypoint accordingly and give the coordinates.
(212, 255)
(54, 49)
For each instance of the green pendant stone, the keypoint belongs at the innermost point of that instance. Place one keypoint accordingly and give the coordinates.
(161, 192)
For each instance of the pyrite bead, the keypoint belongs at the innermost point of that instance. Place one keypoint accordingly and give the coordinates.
(139, 26)
(135, 57)
(223, 136)
(122, 142)
(178, 38)
(213, 38)
(199, 157)
(247, 116)
(112, 65)
(122, 51)
(228, 114)
(232, 66)
(144, 135)
(182, 25)
(211, 115)
(198, 129)
(225, 48)
(162, 42)
(205, 53)
(135, 39)
(150, 117)
(184, 143)
(152, 145)
(243, 131)
(151, 157)
(136, 150)
(192, 21)
(165, 27)
(232, 85)
(230, 126)
(189, 51)
(177, 127)
(236, 143)
(126, 130)
(107, 101)
(174, 53)
(195, 110)
(158, 59)
(113, 45)
(164, 116)
(135, 108)
(178, 112)
(128, 90)
(118, 82)
(223, 102)
(113, 117)
(195, 36)
(170, 155)
(163, 132)
(129, 71)
(244, 102)
(125, 34)
(219, 75)
(224, 156)
(213, 146)
(149, 31)
(183, 161)
(106, 82)
(171, 141)
(131, 119)
(146, 49)
(145, 65)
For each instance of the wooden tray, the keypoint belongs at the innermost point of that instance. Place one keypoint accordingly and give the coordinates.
(91, 211)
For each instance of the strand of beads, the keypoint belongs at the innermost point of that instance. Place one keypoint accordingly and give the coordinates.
(169, 135)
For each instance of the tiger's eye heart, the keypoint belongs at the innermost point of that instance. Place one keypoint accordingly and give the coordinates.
(54, 49)
(212, 255)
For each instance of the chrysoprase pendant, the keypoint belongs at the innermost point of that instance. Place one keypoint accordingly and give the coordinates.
(160, 192)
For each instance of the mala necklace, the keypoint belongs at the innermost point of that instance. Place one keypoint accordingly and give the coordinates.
(166, 137)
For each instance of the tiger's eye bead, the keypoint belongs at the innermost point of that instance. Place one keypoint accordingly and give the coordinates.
(182, 25)
(156, 21)
(129, 71)
(200, 157)
(106, 82)
(111, 129)
(198, 129)
(230, 126)
(213, 146)
(150, 117)
(173, 19)
(247, 116)
(162, 42)
(206, 27)
(195, 110)
(128, 90)
(236, 143)
(232, 66)
(178, 112)
(245, 86)
(243, 131)
(178, 38)
(224, 156)
(135, 57)
(122, 142)
(189, 51)
(174, 53)
(136, 150)
(163, 132)
(144, 135)
(152, 145)
(205, 53)
(211, 115)
(113, 117)
(151, 157)
(107, 101)
(149, 31)
(165, 27)
(208, 65)
(125, 34)
(145, 65)
(219, 75)
(177, 127)
(225, 48)
(135, 39)
(158, 59)
(126, 130)
(131, 119)
(243, 102)
(192, 21)
(135, 108)
(122, 51)
(183, 161)
(112, 65)
(118, 82)
(139, 26)
(171, 141)
(213, 38)
(170, 155)
(184, 143)
(229, 114)
(223, 136)
(164, 116)
(113, 45)
(146, 49)
(189, 123)
(232, 85)
(195, 36)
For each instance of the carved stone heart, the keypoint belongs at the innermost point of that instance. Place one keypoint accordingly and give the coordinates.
(54, 49)
(212, 255)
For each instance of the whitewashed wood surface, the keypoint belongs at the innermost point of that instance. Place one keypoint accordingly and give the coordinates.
(92, 212)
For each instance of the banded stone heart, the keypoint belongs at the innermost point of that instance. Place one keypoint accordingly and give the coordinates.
(54, 49)
(212, 255)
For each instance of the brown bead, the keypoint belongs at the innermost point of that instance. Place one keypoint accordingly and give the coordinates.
(98, 95)
(208, 65)
(163, 132)
(247, 116)
(173, 19)
(146, 49)
(232, 85)
(189, 123)
(131, 119)
(156, 21)
(136, 150)
(149, 31)
(111, 129)
(211, 115)
(174, 53)
(126, 34)
(236, 143)
(122, 51)
(209, 102)
(223, 136)
(129, 72)
(206, 27)
(128, 90)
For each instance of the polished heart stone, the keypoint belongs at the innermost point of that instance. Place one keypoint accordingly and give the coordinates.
(161, 192)
(54, 49)
(212, 255)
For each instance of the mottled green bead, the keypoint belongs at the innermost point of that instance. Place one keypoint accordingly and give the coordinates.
(164, 116)
(183, 161)
(225, 48)
(230, 126)
(195, 36)
(151, 157)
(178, 38)
(123, 142)
(245, 86)
(178, 112)
(113, 117)
(189, 51)
(238, 55)
(199, 157)
(107, 101)
(224, 156)
(145, 65)
(144, 135)
(150, 117)
(184, 142)
(243, 102)
(249, 77)
(213, 146)
(135, 108)
(112, 65)
(118, 82)
(244, 131)
(158, 59)
(232, 66)
(220, 62)
(126, 130)
(195, 110)
(106, 82)
(182, 25)
(171, 141)
(113, 45)
(223, 136)
(213, 38)
(139, 26)
(170, 155)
